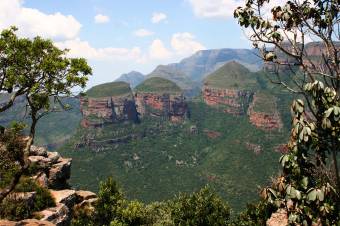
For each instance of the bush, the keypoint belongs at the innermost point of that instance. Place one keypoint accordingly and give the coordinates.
(14, 208)
(255, 214)
(200, 209)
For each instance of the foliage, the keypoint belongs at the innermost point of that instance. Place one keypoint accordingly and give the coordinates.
(37, 71)
(109, 89)
(15, 208)
(112, 208)
(146, 165)
(199, 209)
(157, 84)
(254, 214)
(307, 197)
(306, 189)
(43, 197)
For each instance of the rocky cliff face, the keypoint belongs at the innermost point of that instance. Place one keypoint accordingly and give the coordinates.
(241, 102)
(234, 101)
(168, 106)
(53, 173)
(265, 118)
(98, 111)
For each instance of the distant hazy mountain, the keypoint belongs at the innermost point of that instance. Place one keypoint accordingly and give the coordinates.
(192, 70)
(134, 78)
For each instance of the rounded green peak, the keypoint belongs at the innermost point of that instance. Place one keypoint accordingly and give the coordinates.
(109, 89)
(231, 75)
(158, 85)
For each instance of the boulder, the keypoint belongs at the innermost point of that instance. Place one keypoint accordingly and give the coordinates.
(59, 173)
(34, 222)
(7, 223)
(54, 156)
(27, 198)
(67, 197)
(84, 195)
(38, 151)
(59, 215)
(40, 161)
(41, 179)
(26, 222)
(279, 218)
(89, 203)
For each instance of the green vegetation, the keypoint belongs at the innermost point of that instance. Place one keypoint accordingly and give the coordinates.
(232, 75)
(265, 102)
(112, 208)
(53, 129)
(109, 89)
(16, 208)
(158, 85)
(308, 188)
(166, 158)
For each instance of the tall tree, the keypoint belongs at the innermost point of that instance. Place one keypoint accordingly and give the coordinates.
(309, 188)
(39, 72)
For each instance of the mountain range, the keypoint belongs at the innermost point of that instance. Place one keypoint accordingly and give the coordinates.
(190, 72)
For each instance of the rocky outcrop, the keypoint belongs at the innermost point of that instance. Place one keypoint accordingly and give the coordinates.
(52, 172)
(98, 111)
(280, 218)
(168, 106)
(233, 101)
(265, 118)
(27, 222)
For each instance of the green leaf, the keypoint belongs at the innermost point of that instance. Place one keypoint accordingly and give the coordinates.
(312, 195)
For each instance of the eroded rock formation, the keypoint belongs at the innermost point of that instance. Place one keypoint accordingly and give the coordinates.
(267, 119)
(234, 101)
(53, 171)
(98, 111)
(168, 106)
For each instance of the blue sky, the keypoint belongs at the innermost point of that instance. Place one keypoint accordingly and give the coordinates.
(119, 36)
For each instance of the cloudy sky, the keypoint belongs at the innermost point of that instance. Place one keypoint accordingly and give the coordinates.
(118, 36)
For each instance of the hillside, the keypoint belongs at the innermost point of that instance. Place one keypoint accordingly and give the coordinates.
(53, 129)
(158, 85)
(109, 89)
(193, 69)
(134, 78)
(159, 159)
(231, 75)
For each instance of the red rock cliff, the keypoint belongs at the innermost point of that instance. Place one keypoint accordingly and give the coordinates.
(169, 106)
(234, 101)
(267, 120)
(98, 111)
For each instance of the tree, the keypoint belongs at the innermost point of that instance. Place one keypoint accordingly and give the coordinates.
(39, 72)
(200, 208)
(309, 188)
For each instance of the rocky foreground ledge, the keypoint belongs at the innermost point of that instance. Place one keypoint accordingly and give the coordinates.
(52, 172)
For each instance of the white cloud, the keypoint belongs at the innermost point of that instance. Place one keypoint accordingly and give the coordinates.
(185, 44)
(157, 50)
(32, 22)
(101, 19)
(143, 33)
(225, 8)
(215, 8)
(158, 17)
(79, 48)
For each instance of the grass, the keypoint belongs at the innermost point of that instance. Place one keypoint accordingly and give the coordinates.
(232, 75)
(157, 85)
(109, 89)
